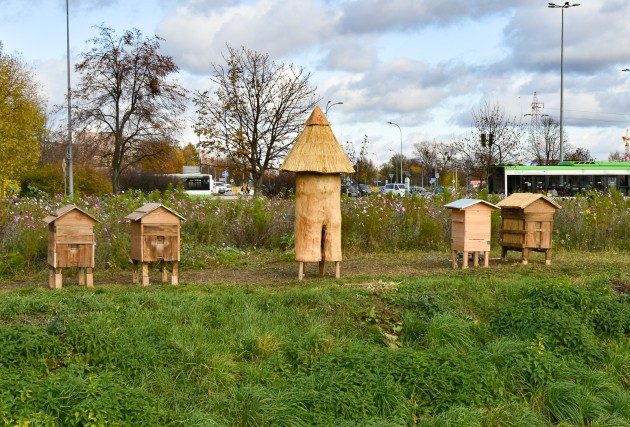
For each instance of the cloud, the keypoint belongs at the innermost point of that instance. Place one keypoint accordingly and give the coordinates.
(596, 36)
(373, 16)
(351, 54)
(196, 36)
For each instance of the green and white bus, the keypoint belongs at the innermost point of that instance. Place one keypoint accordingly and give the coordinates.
(564, 179)
(196, 184)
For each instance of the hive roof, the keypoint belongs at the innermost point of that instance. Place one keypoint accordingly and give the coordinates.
(63, 211)
(316, 149)
(147, 209)
(466, 203)
(522, 200)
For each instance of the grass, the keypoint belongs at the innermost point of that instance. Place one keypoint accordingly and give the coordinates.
(400, 340)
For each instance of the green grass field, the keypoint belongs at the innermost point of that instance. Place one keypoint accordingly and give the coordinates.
(399, 340)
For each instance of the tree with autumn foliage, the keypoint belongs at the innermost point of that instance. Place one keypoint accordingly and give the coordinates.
(254, 111)
(22, 120)
(127, 98)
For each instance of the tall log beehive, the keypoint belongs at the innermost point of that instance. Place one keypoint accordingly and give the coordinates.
(71, 243)
(155, 236)
(318, 161)
(527, 224)
(470, 229)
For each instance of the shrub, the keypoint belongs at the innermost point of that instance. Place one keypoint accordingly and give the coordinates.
(49, 179)
(133, 179)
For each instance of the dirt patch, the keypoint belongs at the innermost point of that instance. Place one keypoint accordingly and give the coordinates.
(621, 286)
(272, 273)
(375, 272)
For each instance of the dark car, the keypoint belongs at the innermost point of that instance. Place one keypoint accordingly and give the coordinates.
(365, 190)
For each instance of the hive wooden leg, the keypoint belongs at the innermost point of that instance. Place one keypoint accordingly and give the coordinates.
(465, 261)
(454, 259)
(164, 273)
(89, 277)
(55, 278)
(134, 277)
(525, 258)
(175, 273)
(300, 270)
(548, 257)
(321, 268)
(476, 259)
(504, 253)
(337, 269)
(81, 277)
(486, 258)
(145, 274)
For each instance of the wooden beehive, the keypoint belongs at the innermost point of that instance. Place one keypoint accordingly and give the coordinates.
(527, 224)
(155, 237)
(470, 229)
(71, 243)
(318, 160)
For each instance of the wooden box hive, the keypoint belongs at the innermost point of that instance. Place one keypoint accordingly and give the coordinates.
(527, 224)
(155, 236)
(470, 229)
(71, 243)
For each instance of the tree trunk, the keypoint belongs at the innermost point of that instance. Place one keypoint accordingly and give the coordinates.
(116, 180)
(258, 184)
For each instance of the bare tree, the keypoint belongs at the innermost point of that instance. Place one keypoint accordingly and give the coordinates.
(255, 111)
(494, 138)
(617, 156)
(544, 141)
(126, 99)
(579, 155)
(428, 155)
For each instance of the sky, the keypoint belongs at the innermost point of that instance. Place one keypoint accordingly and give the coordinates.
(423, 64)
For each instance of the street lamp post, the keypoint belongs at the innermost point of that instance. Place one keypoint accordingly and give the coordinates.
(70, 174)
(395, 172)
(331, 104)
(566, 5)
(401, 153)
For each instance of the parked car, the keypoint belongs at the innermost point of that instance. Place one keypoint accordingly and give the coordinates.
(365, 190)
(417, 190)
(349, 190)
(393, 188)
(221, 187)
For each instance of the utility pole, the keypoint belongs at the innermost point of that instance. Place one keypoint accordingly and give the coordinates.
(536, 107)
(534, 123)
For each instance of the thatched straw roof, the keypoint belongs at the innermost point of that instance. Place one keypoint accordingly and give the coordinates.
(316, 149)
(522, 200)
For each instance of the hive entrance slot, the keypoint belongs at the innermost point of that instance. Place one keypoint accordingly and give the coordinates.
(323, 243)
(159, 247)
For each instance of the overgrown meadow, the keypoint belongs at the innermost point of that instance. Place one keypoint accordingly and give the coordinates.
(220, 231)
(509, 347)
